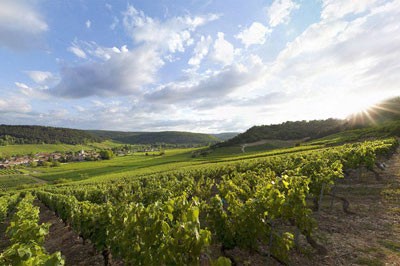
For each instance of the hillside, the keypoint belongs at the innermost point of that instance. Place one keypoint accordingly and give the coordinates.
(165, 137)
(289, 131)
(41, 134)
(383, 116)
(225, 136)
(388, 110)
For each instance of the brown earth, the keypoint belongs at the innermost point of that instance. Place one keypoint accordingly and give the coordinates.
(61, 238)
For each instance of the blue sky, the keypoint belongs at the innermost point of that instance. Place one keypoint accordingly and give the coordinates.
(205, 66)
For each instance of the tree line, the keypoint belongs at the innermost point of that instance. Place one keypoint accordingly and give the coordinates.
(10, 135)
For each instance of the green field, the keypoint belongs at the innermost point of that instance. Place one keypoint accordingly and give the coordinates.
(16, 181)
(132, 165)
(25, 149)
(9, 172)
(140, 164)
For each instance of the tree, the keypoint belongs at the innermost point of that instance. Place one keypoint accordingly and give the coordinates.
(106, 154)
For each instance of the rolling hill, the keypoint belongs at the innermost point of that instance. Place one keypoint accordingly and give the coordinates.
(383, 118)
(41, 134)
(164, 137)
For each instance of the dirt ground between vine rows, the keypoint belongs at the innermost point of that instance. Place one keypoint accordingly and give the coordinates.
(370, 236)
(61, 238)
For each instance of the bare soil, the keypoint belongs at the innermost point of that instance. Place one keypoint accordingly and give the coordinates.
(4, 241)
(62, 238)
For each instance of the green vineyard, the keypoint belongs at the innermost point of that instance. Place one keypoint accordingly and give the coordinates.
(9, 172)
(262, 205)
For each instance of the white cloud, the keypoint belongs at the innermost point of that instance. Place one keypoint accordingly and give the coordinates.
(334, 61)
(113, 71)
(200, 50)
(172, 35)
(279, 12)
(333, 9)
(88, 24)
(13, 104)
(211, 86)
(224, 51)
(39, 92)
(255, 34)
(95, 51)
(76, 50)
(114, 23)
(40, 77)
(21, 26)
(123, 73)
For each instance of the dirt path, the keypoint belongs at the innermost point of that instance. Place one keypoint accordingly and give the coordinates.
(4, 241)
(60, 238)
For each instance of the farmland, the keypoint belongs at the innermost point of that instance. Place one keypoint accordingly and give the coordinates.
(166, 179)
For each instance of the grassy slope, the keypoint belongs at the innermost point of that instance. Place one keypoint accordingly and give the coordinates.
(10, 150)
(8, 182)
(139, 164)
(386, 129)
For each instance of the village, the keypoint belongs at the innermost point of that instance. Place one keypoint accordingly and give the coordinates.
(56, 158)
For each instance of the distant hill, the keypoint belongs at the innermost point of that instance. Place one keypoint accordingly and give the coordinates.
(164, 137)
(225, 136)
(289, 131)
(382, 114)
(40, 134)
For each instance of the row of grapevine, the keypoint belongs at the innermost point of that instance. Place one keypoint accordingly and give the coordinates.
(163, 233)
(198, 181)
(170, 218)
(9, 172)
(27, 238)
(7, 203)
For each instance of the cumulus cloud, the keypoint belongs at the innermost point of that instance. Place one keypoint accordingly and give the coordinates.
(113, 71)
(255, 34)
(279, 12)
(216, 85)
(224, 51)
(21, 26)
(200, 50)
(124, 73)
(340, 58)
(172, 35)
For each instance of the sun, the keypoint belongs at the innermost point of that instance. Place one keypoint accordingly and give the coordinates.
(349, 105)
